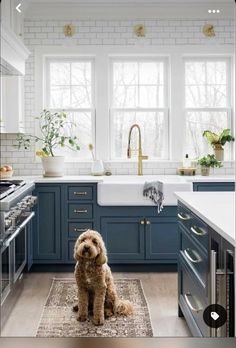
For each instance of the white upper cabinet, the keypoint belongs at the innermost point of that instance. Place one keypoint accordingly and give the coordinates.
(13, 51)
(12, 104)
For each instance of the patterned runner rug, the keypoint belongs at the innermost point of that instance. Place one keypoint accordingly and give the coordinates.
(58, 319)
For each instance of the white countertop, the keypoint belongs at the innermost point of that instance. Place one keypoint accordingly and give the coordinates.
(129, 178)
(217, 209)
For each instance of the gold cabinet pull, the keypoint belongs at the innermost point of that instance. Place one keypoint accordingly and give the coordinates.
(198, 231)
(148, 222)
(142, 222)
(80, 211)
(80, 193)
(80, 229)
(184, 216)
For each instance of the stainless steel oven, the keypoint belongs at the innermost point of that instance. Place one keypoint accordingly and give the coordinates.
(16, 203)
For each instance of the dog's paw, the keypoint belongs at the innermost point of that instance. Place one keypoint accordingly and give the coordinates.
(82, 317)
(98, 321)
(108, 313)
(75, 308)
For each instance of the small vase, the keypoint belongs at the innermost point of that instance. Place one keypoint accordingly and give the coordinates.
(53, 166)
(205, 171)
(97, 167)
(219, 152)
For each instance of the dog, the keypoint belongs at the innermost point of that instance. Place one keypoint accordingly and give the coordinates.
(96, 289)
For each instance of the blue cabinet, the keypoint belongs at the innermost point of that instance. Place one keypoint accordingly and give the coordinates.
(47, 225)
(161, 237)
(214, 186)
(124, 238)
(140, 234)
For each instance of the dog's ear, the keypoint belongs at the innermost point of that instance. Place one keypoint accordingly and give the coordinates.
(102, 257)
(76, 255)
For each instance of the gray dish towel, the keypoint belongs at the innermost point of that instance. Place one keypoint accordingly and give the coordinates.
(154, 191)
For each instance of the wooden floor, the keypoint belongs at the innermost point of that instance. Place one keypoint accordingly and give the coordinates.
(160, 290)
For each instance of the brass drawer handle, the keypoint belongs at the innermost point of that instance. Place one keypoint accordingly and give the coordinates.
(184, 217)
(80, 229)
(142, 222)
(198, 231)
(80, 211)
(80, 193)
(194, 309)
(148, 222)
(198, 258)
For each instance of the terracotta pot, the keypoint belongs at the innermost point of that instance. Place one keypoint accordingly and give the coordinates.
(205, 171)
(53, 166)
(219, 152)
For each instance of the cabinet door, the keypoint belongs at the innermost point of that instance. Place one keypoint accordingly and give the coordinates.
(124, 238)
(162, 239)
(47, 224)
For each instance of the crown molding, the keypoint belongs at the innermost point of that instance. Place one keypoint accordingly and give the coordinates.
(124, 9)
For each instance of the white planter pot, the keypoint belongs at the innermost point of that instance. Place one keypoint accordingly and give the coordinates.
(97, 168)
(53, 166)
(219, 154)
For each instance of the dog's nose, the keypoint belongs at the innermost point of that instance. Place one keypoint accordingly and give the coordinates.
(86, 247)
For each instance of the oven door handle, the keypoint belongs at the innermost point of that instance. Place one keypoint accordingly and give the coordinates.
(19, 228)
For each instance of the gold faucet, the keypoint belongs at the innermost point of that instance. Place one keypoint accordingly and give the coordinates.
(140, 152)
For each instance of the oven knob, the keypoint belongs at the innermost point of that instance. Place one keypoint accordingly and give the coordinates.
(8, 223)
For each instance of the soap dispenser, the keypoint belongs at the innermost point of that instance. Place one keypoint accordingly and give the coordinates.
(186, 162)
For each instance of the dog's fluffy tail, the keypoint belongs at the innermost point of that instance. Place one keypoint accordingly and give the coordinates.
(124, 307)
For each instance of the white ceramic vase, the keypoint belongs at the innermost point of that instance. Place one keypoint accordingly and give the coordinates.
(53, 166)
(97, 167)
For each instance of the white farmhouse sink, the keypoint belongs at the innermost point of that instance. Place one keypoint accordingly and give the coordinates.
(128, 190)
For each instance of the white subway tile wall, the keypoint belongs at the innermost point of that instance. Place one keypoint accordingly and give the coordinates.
(158, 32)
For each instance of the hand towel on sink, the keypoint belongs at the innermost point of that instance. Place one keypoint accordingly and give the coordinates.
(154, 191)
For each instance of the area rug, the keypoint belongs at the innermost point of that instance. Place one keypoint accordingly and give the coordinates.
(58, 319)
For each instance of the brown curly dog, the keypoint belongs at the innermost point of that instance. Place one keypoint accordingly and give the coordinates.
(95, 283)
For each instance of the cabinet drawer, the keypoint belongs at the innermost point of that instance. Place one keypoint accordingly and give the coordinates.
(80, 211)
(184, 216)
(195, 258)
(193, 298)
(76, 228)
(199, 230)
(81, 193)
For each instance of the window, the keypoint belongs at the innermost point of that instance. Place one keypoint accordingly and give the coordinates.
(207, 102)
(69, 87)
(139, 95)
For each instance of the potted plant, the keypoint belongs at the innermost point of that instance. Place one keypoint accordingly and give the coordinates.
(53, 128)
(218, 141)
(208, 162)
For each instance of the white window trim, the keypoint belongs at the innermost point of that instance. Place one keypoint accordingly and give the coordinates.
(229, 84)
(101, 55)
(164, 109)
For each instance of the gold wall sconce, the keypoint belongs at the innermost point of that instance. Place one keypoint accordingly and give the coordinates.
(139, 30)
(69, 30)
(208, 30)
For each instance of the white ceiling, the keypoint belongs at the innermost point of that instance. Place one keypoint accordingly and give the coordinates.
(126, 9)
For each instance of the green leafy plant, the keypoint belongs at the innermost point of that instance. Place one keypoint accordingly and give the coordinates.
(220, 139)
(53, 128)
(209, 161)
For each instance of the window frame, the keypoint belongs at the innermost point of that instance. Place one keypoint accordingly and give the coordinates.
(229, 88)
(46, 92)
(165, 109)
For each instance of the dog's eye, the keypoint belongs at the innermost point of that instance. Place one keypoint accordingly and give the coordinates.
(95, 242)
(83, 240)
